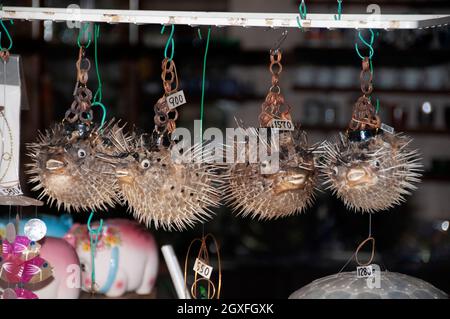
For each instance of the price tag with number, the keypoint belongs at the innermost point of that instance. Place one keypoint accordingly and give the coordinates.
(387, 128)
(176, 99)
(202, 268)
(284, 125)
(11, 191)
(364, 271)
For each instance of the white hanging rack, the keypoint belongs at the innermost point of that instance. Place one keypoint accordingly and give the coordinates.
(240, 19)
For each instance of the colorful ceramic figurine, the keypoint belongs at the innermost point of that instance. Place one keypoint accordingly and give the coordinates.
(126, 257)
(66, 281)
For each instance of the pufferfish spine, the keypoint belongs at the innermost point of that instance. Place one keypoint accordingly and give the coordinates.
(172, 193)
(371, 175)
(66, 169)
(284, 193)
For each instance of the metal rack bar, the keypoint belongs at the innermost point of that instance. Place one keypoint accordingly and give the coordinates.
(238, 19)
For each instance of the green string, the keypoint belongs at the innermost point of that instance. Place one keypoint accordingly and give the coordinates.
(302, 13)
(99, 93)
(199, 32)
(338, 17)
(7, 34)
(202, 101)
(94, 235)
(82, 31)
(369, 45)
(170, 42)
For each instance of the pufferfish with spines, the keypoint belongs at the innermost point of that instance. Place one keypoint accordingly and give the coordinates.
(67, 170)
(262, 191)
(162, 187)
(373, 174)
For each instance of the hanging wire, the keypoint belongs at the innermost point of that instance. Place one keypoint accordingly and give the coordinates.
(369, 44)
(7, 34)
(170, 42)
(302, 13)
(81, 34)
(339, 10)
(98, 96)
(94, 235)
(202, 101)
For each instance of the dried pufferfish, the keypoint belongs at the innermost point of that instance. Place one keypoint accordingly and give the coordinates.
(373, 174)
(286, 192)
(66, 167)
(170, 192)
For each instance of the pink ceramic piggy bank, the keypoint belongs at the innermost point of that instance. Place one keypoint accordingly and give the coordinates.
(126, 257)
(65, 282)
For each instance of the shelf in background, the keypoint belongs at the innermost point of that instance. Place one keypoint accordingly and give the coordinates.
(376, 91)
(333, 128)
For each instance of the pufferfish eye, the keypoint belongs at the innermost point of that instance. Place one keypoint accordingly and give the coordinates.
(335, 170)
(145, 164)
(377, 163)
(81, 153)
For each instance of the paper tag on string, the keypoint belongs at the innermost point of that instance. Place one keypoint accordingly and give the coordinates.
(202, 268)
(387, 128)
(176, 99)
(364, 271)
(284, 125)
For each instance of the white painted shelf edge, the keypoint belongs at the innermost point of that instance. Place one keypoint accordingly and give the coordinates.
(240, 19)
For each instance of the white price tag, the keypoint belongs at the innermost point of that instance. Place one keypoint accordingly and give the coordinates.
(364, 271)
(11, 191)
(202, 268)
(176, 99)
(387, 128)
(284, 125)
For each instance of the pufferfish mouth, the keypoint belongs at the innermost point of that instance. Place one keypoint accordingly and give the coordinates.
(359, 176)
(53, 164)
(293, 182)
(121, 173)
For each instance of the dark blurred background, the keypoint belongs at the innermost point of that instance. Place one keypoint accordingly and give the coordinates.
(320, 80)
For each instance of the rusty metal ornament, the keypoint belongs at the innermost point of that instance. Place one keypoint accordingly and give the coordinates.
(368, 169)
(165, 118)
(288, 191)
(65, 160)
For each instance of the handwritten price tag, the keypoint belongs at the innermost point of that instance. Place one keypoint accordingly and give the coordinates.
(202, 268)
(11, 191)
(364, 271)
(176, 99)
(284, 125)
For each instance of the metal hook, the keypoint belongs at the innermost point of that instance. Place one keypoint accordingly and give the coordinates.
(170, 42)
(7, 34)
(82, 31)
(98, 229)
(280, 41)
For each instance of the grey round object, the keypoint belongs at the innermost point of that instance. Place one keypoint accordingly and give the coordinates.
(35, 229)
(345, 285)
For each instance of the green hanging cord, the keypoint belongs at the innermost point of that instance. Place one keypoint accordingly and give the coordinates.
(82, 31)
(199, 32)
(99, 93)
(170, 42)
(367, 44)
(302, 13)
(7, 34)
(377, 108)
(338, 17)
(202, 101)
(94, 235)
